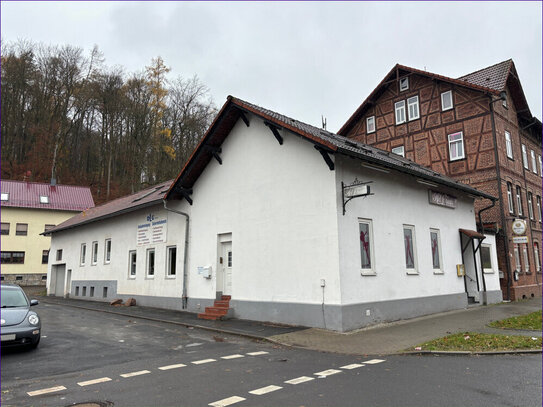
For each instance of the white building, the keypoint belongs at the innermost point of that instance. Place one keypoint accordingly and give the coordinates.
(263, 199)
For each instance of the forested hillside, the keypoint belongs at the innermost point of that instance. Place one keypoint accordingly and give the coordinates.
(67, 115)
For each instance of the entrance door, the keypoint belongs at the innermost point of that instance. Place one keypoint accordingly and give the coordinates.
(227, 267)
(60, 281)
(470, 266)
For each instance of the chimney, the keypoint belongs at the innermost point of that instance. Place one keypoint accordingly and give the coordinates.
(53, 182)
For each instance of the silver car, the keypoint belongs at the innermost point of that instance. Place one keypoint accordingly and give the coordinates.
(20, 325)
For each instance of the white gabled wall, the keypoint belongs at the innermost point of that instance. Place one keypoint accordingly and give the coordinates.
(279, 204)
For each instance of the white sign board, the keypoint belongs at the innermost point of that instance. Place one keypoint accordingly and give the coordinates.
(441, 199)
(154, 230)
(520, 239)
(519, 227)
(356, 190)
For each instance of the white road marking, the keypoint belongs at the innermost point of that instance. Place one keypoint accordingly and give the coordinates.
(301, 379)
(138, 373)
(201, 362)
(373, 361)
(190, 345)
(353, 366)
(257, 353)
(45, 391)
(264, 390)
(226, 402)
(232, 356)
(328, 372)
(95, 381)
(171, 366)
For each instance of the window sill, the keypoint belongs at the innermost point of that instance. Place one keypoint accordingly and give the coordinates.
(412, 272)
(368, 273)
(510, 158)
(453, 160)
(150, 277)
(447, 109)
(171, 277)
(438, 272)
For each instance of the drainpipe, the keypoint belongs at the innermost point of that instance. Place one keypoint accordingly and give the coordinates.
(184, 297)
(500, 196)
(481, 211)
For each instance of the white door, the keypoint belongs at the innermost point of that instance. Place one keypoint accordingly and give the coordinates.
(227, 267)
(60, 282)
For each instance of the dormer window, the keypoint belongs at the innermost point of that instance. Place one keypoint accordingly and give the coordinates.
(44, 199)
(404, 84)
(5, 196)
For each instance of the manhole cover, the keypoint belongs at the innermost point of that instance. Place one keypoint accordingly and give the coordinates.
(92, 404)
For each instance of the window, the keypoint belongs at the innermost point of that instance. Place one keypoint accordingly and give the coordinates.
(229, 259)
(504, 102)
(107, 251)
(5, 228)
(508, 145)
(104, 292)
(370, 124)
(19, 278)
(456, 146)
(538, 203)
(410, 250)
(486, 260)
(91, 294)
(150, 262)
(94, 258)
(77, 291)
(540, 166)
(84, 292)
(21, 229)
(413, 107)
(132, 264)
(517, 258)
(399, 107)
(524, 157)
(59, 255)
(12, 257)
(404, 84)
(530, 207)
(48, 227)
(83, 254)
(44, 199)
(526, 260)
(399, 150)
(510, 197)
(45, 257)
(536, 258)
(172, 261)
(366, 245)
(519, 201)
(5, 196)
(436, 250)
(534, 165)
(446, 101)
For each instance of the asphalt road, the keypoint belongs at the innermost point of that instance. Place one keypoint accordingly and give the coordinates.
(89, 356)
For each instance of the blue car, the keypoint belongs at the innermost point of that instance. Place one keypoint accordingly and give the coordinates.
(20, 325)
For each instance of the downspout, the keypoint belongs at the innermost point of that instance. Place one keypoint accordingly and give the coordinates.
(184, 297)
(500, 196)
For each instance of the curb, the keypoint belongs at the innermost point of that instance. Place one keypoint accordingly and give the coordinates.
(465, 352)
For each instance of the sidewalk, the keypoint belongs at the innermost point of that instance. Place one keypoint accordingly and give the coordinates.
(386, 339)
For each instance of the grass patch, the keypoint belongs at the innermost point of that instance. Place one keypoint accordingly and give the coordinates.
(477, 342)
(530, 321)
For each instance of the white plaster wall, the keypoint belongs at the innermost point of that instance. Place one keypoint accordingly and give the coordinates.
(279, 204)
(122, 230)
(398, 200)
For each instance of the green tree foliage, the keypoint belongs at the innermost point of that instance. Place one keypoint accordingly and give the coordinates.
(66, 115)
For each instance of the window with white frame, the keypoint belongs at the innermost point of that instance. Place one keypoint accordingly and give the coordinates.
(132, 262)
(508, 145)
(446, 100)
(400, 150)
(540, 167)
(536, 258)
(83, 254)
(59, 255)
(413, 108)
(410, 248)
(534, 165)
(370, 124)
(150, 262)
(404, 84)
(524, 157)
(530, 206)
(519, 201)
(94, 254)
(456, 146)
(435, 245)
(366, 245)
(517, 258)
(399, 108)
(486, 259)
(538, 203)
(172, 261)
(107, 251)
(510, 197)
(526, 259)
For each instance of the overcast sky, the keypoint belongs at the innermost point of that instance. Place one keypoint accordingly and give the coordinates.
(302, 59)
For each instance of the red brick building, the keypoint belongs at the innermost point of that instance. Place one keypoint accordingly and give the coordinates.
(479, 130)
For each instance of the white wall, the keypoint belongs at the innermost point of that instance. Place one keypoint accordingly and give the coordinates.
(398, 200)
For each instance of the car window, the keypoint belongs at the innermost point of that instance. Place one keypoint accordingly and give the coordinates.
(13, 298)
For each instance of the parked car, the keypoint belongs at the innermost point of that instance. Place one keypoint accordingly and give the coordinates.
(20, 326)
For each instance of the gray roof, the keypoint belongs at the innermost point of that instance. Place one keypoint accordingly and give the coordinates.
(494, 77)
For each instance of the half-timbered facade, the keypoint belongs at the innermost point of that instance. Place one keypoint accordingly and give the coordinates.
(479, 130)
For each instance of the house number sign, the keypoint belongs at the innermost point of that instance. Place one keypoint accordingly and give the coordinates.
(441, 199)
